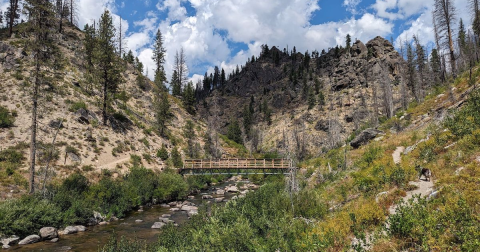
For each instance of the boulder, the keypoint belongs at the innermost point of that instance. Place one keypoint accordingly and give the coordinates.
(158, 225)
(103, 223)
(81, 228)
(188, 208)
(166, 215)
(164, 205)
(174, 209)
(232, 189)
(29, 240)
(191, 197)
(207, 196)
(55, 124)
(54, 240)
(218, 200)
(138, 221)
(5, 246)
(48, 233)
(10, 241)
(192, 213)
(74, 157)
(220, 192)
(164, 220)
(364, 137)
(85, 116)
(70, 230)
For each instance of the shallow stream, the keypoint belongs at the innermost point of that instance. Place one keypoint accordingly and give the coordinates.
(97, 236)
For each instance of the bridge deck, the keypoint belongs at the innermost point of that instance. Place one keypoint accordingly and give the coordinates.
(237, 163)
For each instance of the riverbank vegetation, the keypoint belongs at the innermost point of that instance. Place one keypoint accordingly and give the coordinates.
(74, 200)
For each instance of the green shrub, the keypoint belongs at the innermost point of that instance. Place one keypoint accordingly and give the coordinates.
(162, 153)
(6, 118)
(77, 105)
(11, 156)
(176, 158)
(120, 117)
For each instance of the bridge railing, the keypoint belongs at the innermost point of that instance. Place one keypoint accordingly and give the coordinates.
(237, 163)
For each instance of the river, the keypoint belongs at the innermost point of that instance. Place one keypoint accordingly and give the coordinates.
(97, 236)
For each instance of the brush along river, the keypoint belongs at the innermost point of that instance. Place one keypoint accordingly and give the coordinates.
(95, 237)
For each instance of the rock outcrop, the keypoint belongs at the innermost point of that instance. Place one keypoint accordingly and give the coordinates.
(364, 137)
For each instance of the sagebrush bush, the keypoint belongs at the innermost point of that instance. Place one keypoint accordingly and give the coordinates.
(6, 118)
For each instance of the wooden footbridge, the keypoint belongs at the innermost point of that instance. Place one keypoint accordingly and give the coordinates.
(236, 166)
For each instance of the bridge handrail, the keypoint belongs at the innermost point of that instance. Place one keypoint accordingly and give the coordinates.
(237, 163)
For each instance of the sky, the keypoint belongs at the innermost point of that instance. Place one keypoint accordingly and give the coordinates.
(226, 33)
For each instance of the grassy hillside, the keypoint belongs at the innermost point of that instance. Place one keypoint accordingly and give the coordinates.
(358, 204)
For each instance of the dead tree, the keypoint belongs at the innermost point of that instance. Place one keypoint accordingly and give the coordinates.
(444, 16)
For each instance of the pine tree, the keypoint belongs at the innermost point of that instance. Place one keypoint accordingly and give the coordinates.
(247, 119)
(216, 77)
(435, 65)
(12, 15)
(106, 60)
(176, 85)
(206, 83)
(444, 15)
(159, 53)
(421, 59)
(223, 80)
(234, 132)
(42, 47)
(189, 98)
(189, 134)
(181, 68)
(160, 96)
(176, 158)
(311, 99)
(348, 41)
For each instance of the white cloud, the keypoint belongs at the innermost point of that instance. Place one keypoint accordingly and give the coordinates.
(351, 5)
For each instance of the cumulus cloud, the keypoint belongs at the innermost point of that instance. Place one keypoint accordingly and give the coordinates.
(351, 5)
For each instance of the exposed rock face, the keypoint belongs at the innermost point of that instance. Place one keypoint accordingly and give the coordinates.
(85, 116)
(29, 240)
(48, 233)
(364, 137)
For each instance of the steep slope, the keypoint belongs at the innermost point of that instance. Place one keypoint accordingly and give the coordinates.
(348, 88)
(83, 143)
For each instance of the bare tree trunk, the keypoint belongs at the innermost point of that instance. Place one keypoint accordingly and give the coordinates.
(104, 112)
(33, 141)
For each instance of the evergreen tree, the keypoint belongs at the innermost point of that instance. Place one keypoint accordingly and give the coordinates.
(311, 99)
(106, 60)
(234, 132)
(160, 97)
(247, 119)
(223, 80)
(162, 112)
(321, 99)
(162, 153)
(189, 98)
(176, 85)
(251, 105)
(129, 58)
(181, 68)
(348, 42)
(267, 113)
(435, 65)
(42, 47)
(411, 73)
(12, 14)
(138, 65)
(206, 83)
(159, 53)
(216, 77)
(176, 158)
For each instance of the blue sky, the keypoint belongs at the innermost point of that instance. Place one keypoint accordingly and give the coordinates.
(227, 32)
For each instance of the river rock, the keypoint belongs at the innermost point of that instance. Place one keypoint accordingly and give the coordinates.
(138, 221)
(253, 186)
(220, 192)
(5, 246)
(207, 196)
(10, 241)
(164, 205)
(164, 220)
(103, 223)
(54, 240)
(174, 203)
(48, 233)
(174, 209)
(98, 216)
(235, 197)
(232, 189)
(188, 208)
(158, 225)
(70, 230)
(192, 213)
(29, 240)
(81, 228)
(191, 197)
(166, 215)
(218, 200)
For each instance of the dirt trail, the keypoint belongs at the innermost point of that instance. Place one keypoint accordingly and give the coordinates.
(397, 158)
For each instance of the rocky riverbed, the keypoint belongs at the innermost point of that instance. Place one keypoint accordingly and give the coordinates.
(144, 223)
